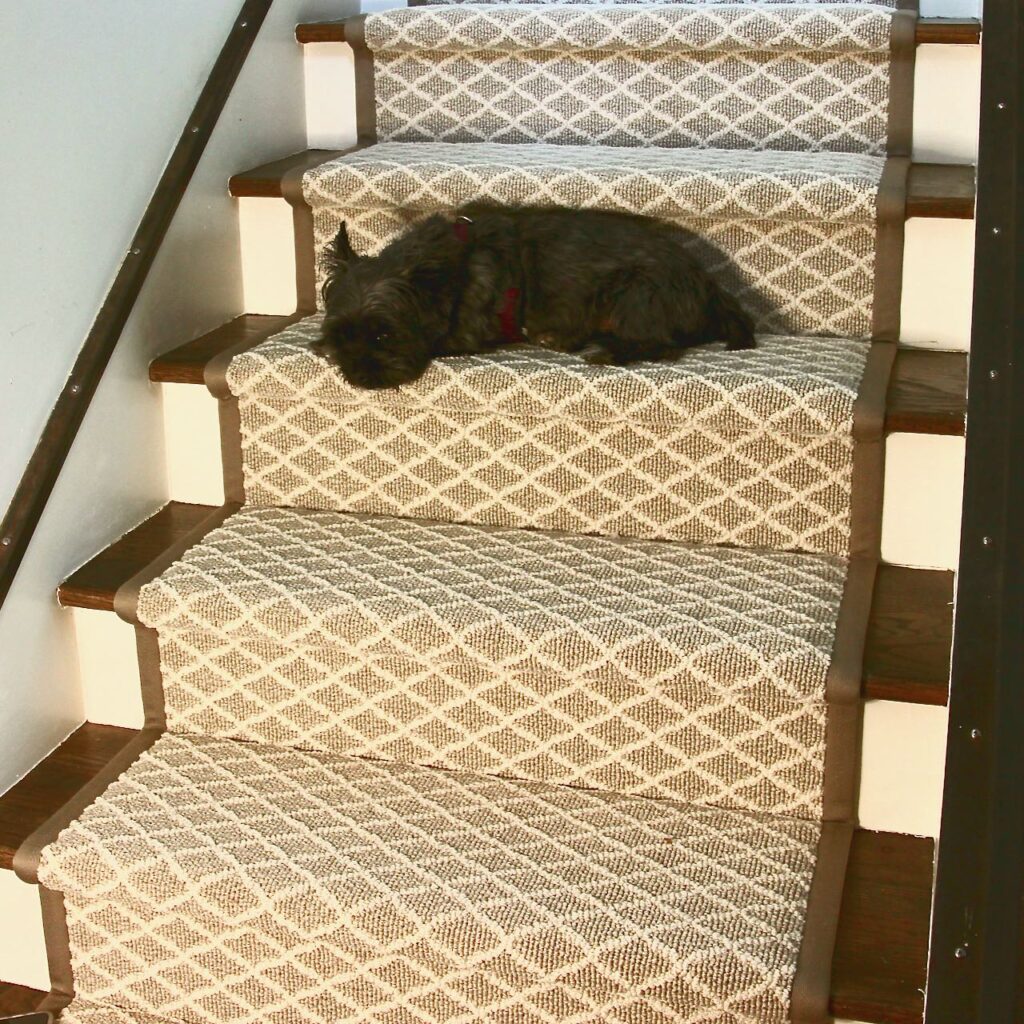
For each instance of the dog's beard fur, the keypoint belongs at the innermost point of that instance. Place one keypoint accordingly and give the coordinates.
(626, 288)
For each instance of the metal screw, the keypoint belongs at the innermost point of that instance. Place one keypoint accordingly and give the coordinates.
(993, 374)
(195, 130)
(987, 541)
(995, 231)
(975, 734)
(75, 388)
(6, 542)
(243, 24)
(1001, 106)
(960, 952)
(135, 252)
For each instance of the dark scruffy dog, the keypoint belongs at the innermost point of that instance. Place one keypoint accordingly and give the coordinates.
(625, 286)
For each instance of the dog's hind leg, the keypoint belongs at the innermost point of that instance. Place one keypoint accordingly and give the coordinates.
(613, 350)
(729, 322)
(636, 323)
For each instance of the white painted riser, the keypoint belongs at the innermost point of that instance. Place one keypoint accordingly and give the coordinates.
(947, 85)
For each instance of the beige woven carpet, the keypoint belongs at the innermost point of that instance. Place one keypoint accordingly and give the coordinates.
(750, 448)
(505, 696)
(745, 76)
(637, 667)
(225, 882)
(791, 235)
(648, 3)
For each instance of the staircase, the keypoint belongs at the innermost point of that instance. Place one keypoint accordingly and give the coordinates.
(535, 690)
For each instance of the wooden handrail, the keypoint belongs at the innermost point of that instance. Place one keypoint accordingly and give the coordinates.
(51, 451)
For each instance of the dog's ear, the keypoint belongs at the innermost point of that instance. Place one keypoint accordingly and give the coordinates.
(342, 252)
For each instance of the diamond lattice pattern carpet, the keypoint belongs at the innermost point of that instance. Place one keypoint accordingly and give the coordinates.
(506, 695)
(641, 667)
(792, 235)
(750, 448)
(221, 881)
(745, 76)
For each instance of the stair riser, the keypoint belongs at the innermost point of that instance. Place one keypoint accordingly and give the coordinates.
(937, 272)
(920, 518)
(950, 8)
(22, 950)
(946, 94)
(903, 744)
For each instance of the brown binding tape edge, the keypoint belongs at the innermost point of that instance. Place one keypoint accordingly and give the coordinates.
(809, 999)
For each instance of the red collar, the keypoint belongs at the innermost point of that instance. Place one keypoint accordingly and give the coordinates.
(508, 315)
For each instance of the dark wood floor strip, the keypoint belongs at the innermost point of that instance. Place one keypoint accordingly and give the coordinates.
(878, 972)
(96, 583)
(927, 393)
(910, 636)
(53, 782)
(264, 182)
(15, 999)
(949, 31)
(933, 190)
(946, 31)
(944, 191)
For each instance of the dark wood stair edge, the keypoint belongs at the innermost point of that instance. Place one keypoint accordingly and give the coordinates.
(54, 781)
(927, 393)
(879, 962)
(17, 999)
(945, 31)
(937, 191)
(906, 654)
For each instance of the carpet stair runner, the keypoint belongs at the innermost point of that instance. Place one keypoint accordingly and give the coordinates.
(795, 236)
(530, 691)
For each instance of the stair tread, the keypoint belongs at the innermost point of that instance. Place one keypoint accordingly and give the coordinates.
(927, 392)
(95, 583)
(18, 999)
(948, 31)
(933, 190)
(368, 839)
(608, 663)
(666, 182)
(788, 385)
(52, 783)
(909, 639)
(879, 963)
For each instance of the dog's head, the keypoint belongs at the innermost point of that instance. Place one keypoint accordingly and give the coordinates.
(374, 326)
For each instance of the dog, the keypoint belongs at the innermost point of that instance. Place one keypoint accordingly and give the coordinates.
(619, 287)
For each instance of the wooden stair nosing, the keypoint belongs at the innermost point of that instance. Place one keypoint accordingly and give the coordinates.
(935, 191)
(186, 363)
(907, 650)
(54, 781)
(265, 181)
(943, 31)
(927, 391)
(881, 946)
(17, 999)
